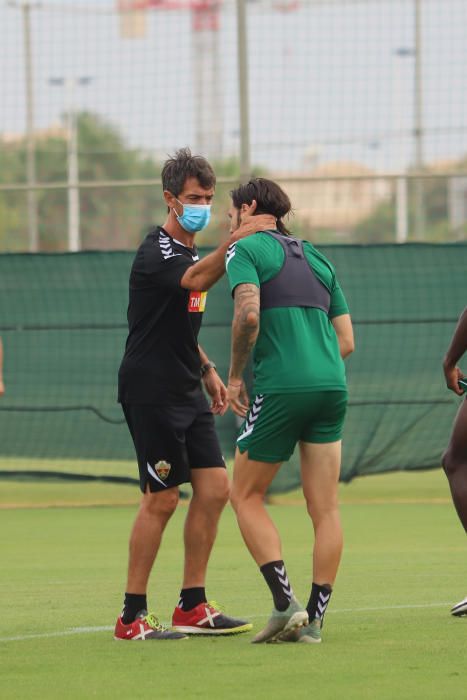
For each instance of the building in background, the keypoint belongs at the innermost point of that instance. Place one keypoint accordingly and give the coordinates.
(337, 197)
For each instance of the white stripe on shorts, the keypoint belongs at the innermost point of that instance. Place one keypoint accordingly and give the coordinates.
(252, 417)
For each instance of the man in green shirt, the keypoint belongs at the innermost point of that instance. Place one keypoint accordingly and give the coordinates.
(290, 308)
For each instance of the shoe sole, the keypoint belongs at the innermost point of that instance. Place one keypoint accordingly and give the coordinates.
(212, 631)
(295, 638)
(309, 640)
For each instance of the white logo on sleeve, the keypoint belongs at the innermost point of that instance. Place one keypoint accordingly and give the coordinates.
(165, 244)
(230, 253)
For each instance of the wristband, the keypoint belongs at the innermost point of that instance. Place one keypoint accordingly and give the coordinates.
(206, 367)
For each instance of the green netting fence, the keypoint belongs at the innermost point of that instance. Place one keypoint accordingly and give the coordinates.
(63, 325)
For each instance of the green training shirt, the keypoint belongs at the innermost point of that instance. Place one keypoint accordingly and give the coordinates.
(297, 348)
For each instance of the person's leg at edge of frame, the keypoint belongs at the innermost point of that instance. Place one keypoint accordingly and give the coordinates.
(454, 463)
(193, 614)
(320, 468)
(154, 513)
(251, 480)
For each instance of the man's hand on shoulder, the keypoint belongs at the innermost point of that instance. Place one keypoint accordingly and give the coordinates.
(252, 224)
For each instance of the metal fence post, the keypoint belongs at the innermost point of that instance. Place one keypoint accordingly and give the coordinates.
(419, 185)
(242, 57)
(402, 213)
(33, 234)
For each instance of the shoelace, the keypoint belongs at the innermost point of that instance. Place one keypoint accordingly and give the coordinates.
(215, 606)
(151, 620)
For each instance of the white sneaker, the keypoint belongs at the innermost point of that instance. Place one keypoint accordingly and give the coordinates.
(310, 634)
(460, 609)
(281, 623)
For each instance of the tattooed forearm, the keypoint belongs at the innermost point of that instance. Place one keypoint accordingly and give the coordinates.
(245, 327)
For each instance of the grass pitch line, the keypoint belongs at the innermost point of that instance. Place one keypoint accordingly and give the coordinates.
(107, 628)
(380, 608)
(63, 633)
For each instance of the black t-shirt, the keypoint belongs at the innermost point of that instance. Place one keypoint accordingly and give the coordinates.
(161, 364)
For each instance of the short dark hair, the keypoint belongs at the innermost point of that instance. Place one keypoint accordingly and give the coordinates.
(182, 165)
(270, 199)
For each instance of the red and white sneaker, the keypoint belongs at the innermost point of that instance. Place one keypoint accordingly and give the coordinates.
(143, 628)
(207, 619)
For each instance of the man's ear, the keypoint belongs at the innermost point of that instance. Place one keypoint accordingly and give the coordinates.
(170, 199)
(244, 208)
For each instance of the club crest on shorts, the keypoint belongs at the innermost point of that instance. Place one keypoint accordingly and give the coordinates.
(162, 469)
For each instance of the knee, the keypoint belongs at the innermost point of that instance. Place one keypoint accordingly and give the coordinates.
(451, 462)
(319, 512)
(160, 504)
(214, 498)
(240, 497)
(220, 497)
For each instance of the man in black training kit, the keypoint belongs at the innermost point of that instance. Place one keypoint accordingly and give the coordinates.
(455, 457)
(169, 418)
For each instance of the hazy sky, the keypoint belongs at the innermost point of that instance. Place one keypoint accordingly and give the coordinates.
(325, 79)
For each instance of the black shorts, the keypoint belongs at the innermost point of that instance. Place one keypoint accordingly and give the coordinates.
(171, 440)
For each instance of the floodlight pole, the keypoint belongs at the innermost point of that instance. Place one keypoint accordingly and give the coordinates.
(33, 234)
(74, 243)
(242, 57)
(402, 209)
(208, 112)
(74, 240)
(420, 218)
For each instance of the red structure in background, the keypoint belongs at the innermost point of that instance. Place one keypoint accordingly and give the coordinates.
(208, 85)
(205, 13)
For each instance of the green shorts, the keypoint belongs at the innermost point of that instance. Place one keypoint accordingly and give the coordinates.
(276, 422)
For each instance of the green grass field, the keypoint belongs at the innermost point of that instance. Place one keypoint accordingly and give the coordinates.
(388, 632)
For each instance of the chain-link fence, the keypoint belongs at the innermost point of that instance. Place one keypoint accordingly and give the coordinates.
(358, 107)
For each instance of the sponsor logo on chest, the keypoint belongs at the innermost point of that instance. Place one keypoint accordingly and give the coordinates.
(197, 302)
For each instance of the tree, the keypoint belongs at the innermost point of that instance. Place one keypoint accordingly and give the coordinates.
(110, 217)
(380, 226)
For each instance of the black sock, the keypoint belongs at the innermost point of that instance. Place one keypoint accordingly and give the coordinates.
(319, 600)
(134, 603)
(276, 577)
(191, 597)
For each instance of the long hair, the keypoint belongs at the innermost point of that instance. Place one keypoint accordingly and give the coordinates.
(270, 199)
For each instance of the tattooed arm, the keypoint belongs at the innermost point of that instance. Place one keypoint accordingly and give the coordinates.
(245, 329)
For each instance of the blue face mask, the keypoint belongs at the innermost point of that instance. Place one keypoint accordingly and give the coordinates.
(195, 217)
